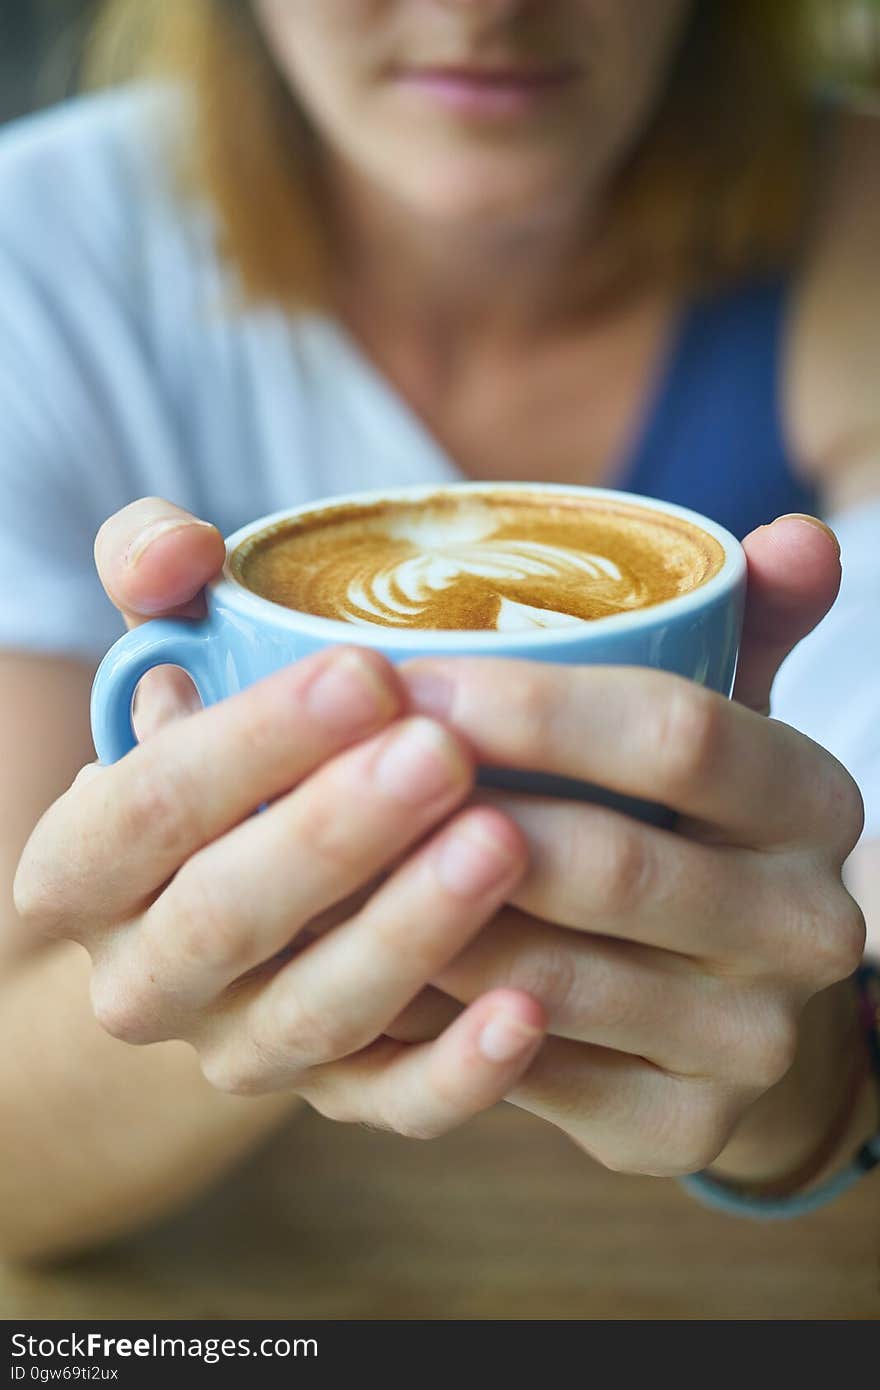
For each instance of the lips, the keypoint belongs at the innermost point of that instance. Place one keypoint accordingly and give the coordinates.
(501, 90)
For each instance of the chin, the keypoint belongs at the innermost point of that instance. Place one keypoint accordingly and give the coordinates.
(467, 199)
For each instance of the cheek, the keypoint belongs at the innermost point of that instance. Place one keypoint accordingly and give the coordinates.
(631, 51)
(322, 49)
(323, 26)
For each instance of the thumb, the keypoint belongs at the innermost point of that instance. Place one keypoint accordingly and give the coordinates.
(793, 578)
(154, 559)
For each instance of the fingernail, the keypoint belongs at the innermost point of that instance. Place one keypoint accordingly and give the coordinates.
(350, 694)
(418, 763)
(144, 538)
(472, 860)
(430, 692)
(506, 1037)
(812, 521)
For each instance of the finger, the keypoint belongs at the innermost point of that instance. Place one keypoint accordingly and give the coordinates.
(426, 1090)
(652, 1004)
(794, 575)
(164, 694)
(112, 841)
(247, 895)
(642, 733)
(599, 871)
(155, 558)
(338, 995)
(626, 1113)
(425, 1017)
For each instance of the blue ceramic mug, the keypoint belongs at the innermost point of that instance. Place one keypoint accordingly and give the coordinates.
(245, 637)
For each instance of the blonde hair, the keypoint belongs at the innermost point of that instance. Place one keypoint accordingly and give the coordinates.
(713, 192)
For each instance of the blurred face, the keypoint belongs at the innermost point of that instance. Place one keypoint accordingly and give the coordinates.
(468, 110)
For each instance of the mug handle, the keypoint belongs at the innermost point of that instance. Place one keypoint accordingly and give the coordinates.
(162, 642)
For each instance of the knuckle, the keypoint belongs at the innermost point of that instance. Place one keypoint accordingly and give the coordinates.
(687, 736)
(436, 1108)
(693, 1142)
(304, 1037)
(619, 1148)
(249, 1063)
(624, 1153)
(122, 1010)
(266, 720)
(53, 869)
(623, 870)
(236, 1075)
(42, 883)
(778, 1053)
(614, 999)
(333, 1107)
(842, 943)
(526, 711)
(843, 808)
(207, 933)
(325, 835)
(413, 939)
(623, 1157)
(335, 1097)
(755, 1038)
(851, 816)
(852, 930)
(832, 935)
(550, 975)
(34, 898)
(690, 1154)
(832, 812)
(686, 1137)
(158, 808)
(413, 1124)
(773, 1050)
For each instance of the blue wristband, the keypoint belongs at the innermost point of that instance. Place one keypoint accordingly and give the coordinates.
(713, 1193)
(721, 1196)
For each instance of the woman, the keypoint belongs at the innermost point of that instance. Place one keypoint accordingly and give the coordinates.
(560, 240)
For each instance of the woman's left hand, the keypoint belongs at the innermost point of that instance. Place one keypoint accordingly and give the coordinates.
(674, 965)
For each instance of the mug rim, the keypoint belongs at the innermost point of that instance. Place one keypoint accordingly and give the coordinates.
(229, 591)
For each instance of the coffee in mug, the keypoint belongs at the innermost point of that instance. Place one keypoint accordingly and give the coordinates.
(487, 561)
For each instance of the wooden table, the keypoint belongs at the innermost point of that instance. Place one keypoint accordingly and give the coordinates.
(503, 1219)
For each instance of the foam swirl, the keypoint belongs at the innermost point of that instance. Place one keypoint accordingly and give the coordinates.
(504, 563)
(398, 594)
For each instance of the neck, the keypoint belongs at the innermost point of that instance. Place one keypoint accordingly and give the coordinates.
(401, 274)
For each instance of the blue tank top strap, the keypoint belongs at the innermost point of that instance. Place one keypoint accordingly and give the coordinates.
(713, 437)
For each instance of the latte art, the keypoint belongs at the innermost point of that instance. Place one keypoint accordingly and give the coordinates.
(505, 562)
(463, 547)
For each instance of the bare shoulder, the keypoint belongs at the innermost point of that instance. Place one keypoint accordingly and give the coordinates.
(833, 359)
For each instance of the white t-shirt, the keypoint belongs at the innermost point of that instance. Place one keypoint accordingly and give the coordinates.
(125, 372)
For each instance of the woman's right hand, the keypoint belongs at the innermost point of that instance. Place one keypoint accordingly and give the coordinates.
(190, 905)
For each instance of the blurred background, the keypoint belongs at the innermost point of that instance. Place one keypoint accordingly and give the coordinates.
(40, 43)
